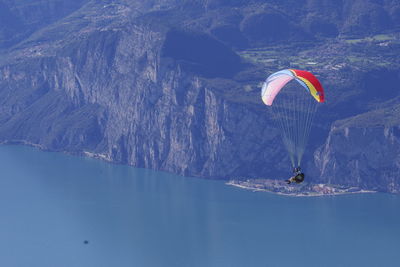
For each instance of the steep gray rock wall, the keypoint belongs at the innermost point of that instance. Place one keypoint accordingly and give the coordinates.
(113, 94)
(367, 157)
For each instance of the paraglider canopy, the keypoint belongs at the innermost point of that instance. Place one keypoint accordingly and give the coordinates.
(293, 108)
(278, 80)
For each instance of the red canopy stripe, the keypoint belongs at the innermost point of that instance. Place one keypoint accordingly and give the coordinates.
(313, 80)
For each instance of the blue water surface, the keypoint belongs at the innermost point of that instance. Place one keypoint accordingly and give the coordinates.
(50, 203)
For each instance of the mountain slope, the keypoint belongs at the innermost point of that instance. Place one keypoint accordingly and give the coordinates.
(174, 86)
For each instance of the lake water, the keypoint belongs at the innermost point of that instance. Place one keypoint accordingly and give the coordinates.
(50, 203)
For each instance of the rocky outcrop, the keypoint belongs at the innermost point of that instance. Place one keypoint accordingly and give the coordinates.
(367, 157)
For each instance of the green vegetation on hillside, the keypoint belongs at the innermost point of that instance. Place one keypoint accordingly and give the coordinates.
(370, 52)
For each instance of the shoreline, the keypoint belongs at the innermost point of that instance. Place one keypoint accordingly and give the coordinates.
(277, 187)
(305, 193)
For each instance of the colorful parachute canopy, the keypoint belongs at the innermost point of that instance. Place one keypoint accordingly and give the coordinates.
(278, 80)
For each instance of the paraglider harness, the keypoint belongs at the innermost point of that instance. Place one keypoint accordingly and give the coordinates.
(298, 176)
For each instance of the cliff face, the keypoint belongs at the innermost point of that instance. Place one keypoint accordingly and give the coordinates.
(158, 84)
(121, 94)
(363, 151)
(368, 158)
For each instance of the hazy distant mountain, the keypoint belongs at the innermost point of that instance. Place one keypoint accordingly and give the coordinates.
(175, 85)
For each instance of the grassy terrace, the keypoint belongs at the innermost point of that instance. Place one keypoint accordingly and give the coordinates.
(277, 57)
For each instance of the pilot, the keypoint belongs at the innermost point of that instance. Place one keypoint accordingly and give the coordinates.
(297, 178)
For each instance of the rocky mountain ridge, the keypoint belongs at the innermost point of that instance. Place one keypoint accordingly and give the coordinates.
(175, 86)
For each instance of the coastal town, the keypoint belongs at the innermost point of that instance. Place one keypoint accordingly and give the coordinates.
(280, 187)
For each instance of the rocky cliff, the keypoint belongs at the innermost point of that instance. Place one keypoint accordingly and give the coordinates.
(363, 151)
(121, 92)
(164, 85)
